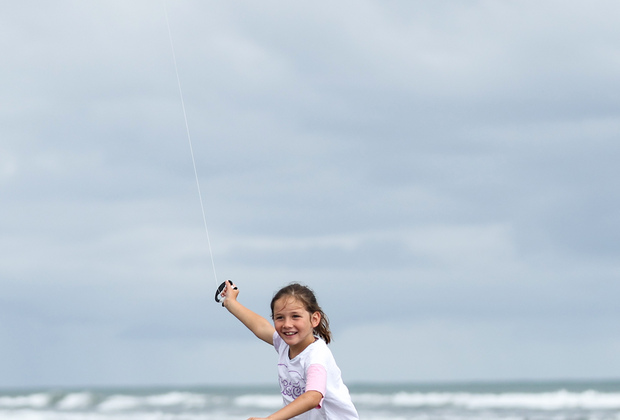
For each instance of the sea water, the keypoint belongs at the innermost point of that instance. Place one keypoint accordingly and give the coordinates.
(457, 401)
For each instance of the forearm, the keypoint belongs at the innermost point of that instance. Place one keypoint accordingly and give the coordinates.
(305, 402)
(260, 326)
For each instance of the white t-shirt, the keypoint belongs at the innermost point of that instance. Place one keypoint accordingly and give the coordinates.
(314, 369)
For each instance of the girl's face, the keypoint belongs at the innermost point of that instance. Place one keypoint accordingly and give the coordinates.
(294, 323)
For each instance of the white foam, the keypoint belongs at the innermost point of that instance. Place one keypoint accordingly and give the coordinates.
(38, 400)
(75, 401)
(542, 401)
(119, 403)
(185, 399)
(170, 399)
(31, 414)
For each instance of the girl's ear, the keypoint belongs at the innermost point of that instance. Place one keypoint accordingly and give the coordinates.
(315, 318)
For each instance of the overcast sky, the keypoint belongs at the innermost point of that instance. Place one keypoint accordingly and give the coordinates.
(443, 174)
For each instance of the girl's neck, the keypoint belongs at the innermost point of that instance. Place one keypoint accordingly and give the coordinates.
(295, 351)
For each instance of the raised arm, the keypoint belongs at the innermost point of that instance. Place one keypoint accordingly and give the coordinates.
(260, 326)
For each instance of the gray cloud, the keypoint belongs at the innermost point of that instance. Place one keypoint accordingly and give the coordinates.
(442, 174)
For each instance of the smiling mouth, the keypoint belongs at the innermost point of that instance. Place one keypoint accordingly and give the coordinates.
(289, 333)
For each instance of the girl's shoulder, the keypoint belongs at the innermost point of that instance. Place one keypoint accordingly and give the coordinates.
(318, 352)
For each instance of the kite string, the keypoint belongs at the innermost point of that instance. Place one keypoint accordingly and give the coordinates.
(189, 139)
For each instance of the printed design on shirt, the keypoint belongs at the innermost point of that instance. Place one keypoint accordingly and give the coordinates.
(294, 385)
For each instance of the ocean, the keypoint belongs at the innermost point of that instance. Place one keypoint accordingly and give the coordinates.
(450, 401)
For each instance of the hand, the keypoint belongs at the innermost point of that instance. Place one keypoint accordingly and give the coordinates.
(230, 293)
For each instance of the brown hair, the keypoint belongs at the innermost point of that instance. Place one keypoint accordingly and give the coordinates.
(306, 297)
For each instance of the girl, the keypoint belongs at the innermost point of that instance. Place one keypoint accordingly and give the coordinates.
(310, 380)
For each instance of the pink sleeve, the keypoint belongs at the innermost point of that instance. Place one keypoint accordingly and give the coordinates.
(316, 380)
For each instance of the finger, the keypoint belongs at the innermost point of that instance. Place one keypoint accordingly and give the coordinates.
(228, 291)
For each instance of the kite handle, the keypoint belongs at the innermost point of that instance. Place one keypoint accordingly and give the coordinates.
(218, 293)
